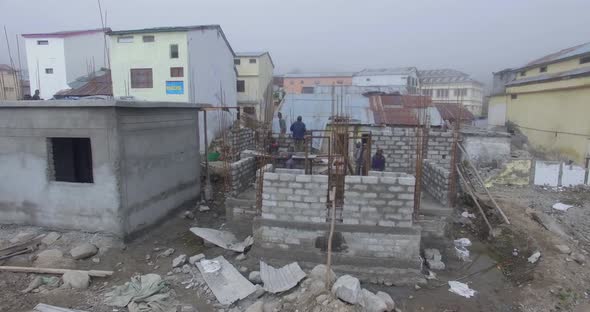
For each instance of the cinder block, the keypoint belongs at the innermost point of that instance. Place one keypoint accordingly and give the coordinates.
(386, 223)
(405, 196)
(319, 178)
(269, 203)
(271, 176)
(303, 192)
(352, 179)
(295, 185)
(269, 216)
(303, 178)
(287, 191)
(286, 177)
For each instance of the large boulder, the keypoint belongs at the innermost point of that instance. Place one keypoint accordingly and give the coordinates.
(50, 238)
(348, 289)
(372, 303)
(319, 272)
(52, 258)
(387, 299)
(83, 251)
(76, 279)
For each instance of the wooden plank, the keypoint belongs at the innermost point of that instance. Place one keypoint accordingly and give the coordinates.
(41, 307)
(94, 273)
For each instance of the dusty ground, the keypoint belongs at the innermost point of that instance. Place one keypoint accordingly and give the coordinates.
(504, 282)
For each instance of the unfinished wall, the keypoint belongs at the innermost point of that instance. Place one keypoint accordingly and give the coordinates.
(486, 148)
(381, 198)
(243, 174)
(435, 181)
(160, 162)
(28, 195)
(241, 139)
(399, 147)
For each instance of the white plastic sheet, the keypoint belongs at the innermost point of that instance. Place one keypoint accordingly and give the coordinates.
(461, 289)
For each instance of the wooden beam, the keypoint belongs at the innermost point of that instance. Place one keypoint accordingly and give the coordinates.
(17, 269)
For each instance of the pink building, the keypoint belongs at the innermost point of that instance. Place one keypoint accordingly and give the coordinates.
(305, 83)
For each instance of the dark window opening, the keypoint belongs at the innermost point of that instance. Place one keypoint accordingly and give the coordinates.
(252, 61)
(237, 62)
(522, 73)
(141, 78)
(514, 96)
(307, 90)
(543, 69)
(241, 86)
(176, 71)
(49, 70)
(42, 42)
(585, 60)
(71, 160)
(149, 38)
(174, 51)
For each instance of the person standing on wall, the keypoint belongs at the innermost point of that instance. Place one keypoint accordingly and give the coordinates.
(298, 133)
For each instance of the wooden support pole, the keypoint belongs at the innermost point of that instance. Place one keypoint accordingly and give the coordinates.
(468, 187)
(93, 273)
(483, 184)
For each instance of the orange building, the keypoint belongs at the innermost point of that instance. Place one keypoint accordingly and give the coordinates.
(305, 82)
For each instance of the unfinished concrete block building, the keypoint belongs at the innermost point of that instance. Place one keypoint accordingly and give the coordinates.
(97, 165)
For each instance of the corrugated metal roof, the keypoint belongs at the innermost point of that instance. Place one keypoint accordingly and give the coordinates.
(322, 89)
(97, 84)
(561, 55)
(442, 76)
(398, 110)
(452, 111)
(67, 33)
(318, 75)
(386, 71)
(584, 71)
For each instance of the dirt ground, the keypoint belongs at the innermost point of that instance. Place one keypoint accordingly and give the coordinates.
(503, 281)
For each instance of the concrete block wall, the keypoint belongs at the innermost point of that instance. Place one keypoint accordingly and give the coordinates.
(241, 139)
(435, 180)
(380, 199)
(399, 147)
(243, 174)
(292, 196)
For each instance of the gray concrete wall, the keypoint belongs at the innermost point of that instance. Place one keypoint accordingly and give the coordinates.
(160, 163)
(243, 174)
(240, 139)
(435, 181)
(487, 148)
(27, 194)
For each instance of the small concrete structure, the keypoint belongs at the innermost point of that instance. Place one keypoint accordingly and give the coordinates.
(95, 165)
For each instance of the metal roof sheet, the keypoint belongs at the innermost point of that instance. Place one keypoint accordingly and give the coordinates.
(386, 71)
(98, 83)
(452, 111)
(67, 33)
(327, 89)
(318, 75)
(442, 76)
(584, 71)
(561, 55)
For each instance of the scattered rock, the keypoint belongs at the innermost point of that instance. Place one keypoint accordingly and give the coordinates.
(50, 238)
(348, 289)
(254, 277)
(271, 306)
(196, 258)
(579, 258)
(534, 257)
(96, 260)
(319, 273)
(372, 302)
(435, 265)
(243, 269)
(259, 292)
(432, 254)
(186, 269)
(291, 297)
(148, 257)
(257, 306)
(49, 281)
(52, 258)
(241, 257)
(22, 237)
(167, 253)
(564, 249)
(76, 279)
(189, 215)
(387, 299)
(204, 208)
(178, 261)
(83, 251)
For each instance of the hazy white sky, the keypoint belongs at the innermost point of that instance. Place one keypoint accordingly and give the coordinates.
(474, 36)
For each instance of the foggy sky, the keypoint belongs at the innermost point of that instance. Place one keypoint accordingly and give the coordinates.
(475, 36)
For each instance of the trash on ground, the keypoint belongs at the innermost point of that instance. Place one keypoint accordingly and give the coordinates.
(461, 289)
(50, 281)
(462, 242)
(227, 284)
(562, 207)
(210, 266)
(466, 214)
(41, 307)
(223, 239)
(283, 279)
(534, 257)
(145, 293)
(462, 253)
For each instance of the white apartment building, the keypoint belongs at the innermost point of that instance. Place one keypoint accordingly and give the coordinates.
(58, 58)
(406, 78)
(254, 83)
(452, 86)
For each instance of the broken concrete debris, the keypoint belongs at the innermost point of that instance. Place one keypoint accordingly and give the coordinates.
(52, 258)
(434, 259)
(348, 289)
(241, 257)
(178, 261)
(283, 279)
(319, 272)
(226, 283)
(50, 238)
(166, 253)
(194, 259)
(387, 299)
(461, 289)
(254, 277)
(371, 302)
(22, 237)
(223, 239)
(564, 249)
(534, 257)
(579, 258)
(83, 251)
(204, 208)
(76, 279)
(561, 206)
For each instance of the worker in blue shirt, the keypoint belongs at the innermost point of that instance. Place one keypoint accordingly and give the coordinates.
(298, 133)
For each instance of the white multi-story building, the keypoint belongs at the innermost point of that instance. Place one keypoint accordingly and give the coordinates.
(406, 78)
(452, 86)
(255, 83)
(55, 59)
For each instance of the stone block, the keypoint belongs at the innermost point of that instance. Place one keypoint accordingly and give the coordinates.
(303, 178)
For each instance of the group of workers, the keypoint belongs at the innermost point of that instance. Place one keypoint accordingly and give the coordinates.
(298, 133)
